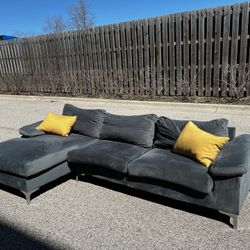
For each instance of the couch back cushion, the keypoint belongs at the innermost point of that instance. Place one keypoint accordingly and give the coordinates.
(89, 121)
(137, 129)
(168, 130)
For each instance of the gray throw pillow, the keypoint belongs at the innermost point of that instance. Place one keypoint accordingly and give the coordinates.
(168, 130)
(89, 121)
(137, 129)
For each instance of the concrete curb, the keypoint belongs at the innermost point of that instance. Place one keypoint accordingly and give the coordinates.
(190, 107)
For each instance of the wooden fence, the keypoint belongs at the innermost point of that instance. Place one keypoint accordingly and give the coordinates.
(199, 53)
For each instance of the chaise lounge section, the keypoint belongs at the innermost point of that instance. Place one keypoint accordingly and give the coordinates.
(29, 163)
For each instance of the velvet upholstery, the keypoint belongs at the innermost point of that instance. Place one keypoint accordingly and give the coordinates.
(168, 130)
(137, 129)
(30, 130)
(234, 159)
(29, 156)
(231, 133)
(106, 154)
(28, 163)
(37, 181)
(228, 194)
(163, 165)
(89, 121)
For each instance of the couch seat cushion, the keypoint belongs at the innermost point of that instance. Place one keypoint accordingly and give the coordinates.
(163, 165)
(107, 154)
(29, 156)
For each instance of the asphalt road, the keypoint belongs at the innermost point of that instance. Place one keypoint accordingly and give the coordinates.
(94, 215)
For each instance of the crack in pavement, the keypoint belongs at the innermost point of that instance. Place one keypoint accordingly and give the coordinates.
(8, 128)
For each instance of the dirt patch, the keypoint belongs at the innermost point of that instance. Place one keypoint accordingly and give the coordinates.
(183, 99)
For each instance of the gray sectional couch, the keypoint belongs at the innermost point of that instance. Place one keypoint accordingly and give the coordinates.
(135, 151)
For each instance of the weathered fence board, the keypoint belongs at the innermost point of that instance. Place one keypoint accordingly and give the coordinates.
(225, 50)
(140, 58)
(184, 88)
(244, 42)
(172, 54)
(209, 44)
(178, 47)
(203, 53)
(217, 52)
(146, 57)
(165, 45)
(193, 54)
(158, 46)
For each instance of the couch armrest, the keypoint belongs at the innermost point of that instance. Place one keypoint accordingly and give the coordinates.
(30, 130)
(234, 159)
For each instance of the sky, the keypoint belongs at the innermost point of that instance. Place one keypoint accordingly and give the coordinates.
(28, 16)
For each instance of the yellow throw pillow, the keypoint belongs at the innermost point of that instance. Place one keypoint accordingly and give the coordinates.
(57, 124)
(198, 144)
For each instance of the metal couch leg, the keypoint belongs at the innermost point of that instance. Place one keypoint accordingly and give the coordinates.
(28, 194)
(234, 218)
(77, 178)
(235, 221)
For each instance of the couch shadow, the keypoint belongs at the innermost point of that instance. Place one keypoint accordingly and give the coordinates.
(12, 238)
(40, 191)
(180, 205)
(187, 207)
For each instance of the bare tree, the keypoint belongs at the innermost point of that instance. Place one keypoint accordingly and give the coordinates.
(54, 24)
(80, 16)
